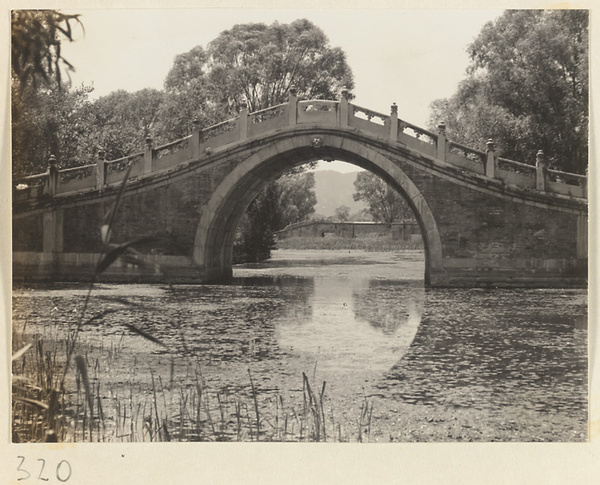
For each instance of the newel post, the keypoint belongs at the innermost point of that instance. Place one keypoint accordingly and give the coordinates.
(394, 122)
(441, 143)
(344, 108)
(243, 121)
(293, 107)
(101, 169)
(148, 155)
(541, 171)
(195, 138)
(52, 220)
(490, 162)
(52, 171)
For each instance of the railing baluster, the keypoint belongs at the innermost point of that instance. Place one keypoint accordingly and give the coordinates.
(441, 141)
(293, 107)
(343, 113)
(541, 171)
(243, 123)
(394, 123)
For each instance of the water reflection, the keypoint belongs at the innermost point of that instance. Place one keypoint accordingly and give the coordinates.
(349, 328)
(496, 349)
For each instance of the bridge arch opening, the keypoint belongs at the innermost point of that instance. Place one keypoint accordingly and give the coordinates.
(215, 235)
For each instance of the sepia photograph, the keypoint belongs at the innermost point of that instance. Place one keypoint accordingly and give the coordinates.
(346, 226)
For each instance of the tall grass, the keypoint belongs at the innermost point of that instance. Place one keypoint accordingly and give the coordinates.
(168, 402)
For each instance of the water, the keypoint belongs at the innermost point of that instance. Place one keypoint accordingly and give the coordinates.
(436, 364)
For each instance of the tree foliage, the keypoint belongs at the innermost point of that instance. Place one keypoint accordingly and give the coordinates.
(121, 121)
(46, 117)
(36, 37)
(289, 199)
(342, 213)
(384, 203)
(50, 121)
(258, 64)
(526, 88)
(186, 98)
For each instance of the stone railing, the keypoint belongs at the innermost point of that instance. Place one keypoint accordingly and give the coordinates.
(342, 114)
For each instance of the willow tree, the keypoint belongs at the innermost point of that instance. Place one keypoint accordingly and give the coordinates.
(526, 88)
(41, 107)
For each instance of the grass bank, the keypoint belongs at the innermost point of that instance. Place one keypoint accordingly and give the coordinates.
(364, 243)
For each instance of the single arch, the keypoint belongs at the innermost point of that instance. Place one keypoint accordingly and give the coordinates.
(216, 229)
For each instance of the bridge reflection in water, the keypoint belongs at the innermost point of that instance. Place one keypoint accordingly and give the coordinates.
(351, 328)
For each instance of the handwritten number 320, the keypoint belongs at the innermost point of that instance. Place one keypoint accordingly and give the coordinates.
(63, 470)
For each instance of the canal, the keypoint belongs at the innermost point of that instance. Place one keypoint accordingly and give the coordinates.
(320, 345)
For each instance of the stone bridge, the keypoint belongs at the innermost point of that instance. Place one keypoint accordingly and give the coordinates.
(484, 220)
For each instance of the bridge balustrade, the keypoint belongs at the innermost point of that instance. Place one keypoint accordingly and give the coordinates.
(32, 186)
(114, 171)
(267, 119)
(369, 121)
(335, 113)
(417, 138)
(76, 179)
(171, 154)
(317, 111)
(566, 183)
(218, 135)
(465, 157)
(516, 173)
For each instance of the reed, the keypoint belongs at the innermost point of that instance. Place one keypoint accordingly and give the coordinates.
(141, 408)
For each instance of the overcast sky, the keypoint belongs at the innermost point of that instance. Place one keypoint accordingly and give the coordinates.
(410, 57)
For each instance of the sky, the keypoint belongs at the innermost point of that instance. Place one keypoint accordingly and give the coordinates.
(410, 57)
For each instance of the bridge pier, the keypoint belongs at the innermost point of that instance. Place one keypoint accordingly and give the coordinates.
(53, 231)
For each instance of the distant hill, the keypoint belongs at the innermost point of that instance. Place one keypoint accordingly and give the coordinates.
(334, 189)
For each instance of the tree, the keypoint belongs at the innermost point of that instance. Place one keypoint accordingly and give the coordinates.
(258, 64)
(296, 198)
(187, 97)
(288, 200)
(122, 120)
(526, 88)
(384, 203)
(45, 116)
(51, 122)
(256, 237)
(342, 213)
